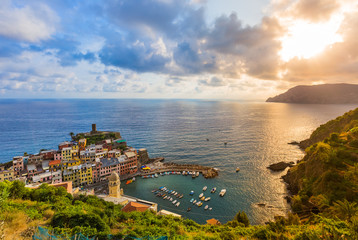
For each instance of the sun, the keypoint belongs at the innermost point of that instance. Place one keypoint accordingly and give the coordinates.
(305, 39)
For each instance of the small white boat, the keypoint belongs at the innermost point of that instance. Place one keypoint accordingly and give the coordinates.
(165, 197)
(213, 190)
(222, 192)
(155, 175)
(197, 174)
(204, 188)
(206, 207)
(171, 199)
(174, 201)
(201, 194)
(207, 199)
(210, 209)
(183, 172)
(194, 201)
(193, 175)
(175, 193)
(133, 179)
(177, 205)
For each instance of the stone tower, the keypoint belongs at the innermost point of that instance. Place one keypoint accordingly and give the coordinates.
(114, 185)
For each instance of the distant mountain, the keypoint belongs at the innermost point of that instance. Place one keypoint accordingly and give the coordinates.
(319, 94)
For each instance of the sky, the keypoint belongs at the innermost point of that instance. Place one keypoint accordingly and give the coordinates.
(181, 49)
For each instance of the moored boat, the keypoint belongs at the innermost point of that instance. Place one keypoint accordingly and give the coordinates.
(177, 205)
(192, 200)
(222, 192)
(201, 194)
(213, 190)
(237, 169)
(206, 207)
(204, 188)
(202, 198)
(207, 199)
(174, 201)
(210, 209)
(191, 192)
(197, 174)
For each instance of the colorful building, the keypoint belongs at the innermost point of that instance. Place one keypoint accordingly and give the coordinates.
(7, 175)
(128, 163)
(66, 153)
(54, 165)
(18, 165)
(109, 165)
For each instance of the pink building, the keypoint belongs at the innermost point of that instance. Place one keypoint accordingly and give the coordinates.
(18, 165)
(109, 165)
(57, 156)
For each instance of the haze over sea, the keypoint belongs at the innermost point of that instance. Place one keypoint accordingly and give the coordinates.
(256, 134)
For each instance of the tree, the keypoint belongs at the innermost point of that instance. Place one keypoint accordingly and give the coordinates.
(345, 210)
(72, 135)
(241, 217)
(17, 189)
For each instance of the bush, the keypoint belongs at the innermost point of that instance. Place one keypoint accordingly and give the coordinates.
(241, 217)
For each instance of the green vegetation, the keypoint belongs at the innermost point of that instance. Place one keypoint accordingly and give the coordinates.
(326, 180)
(23, 209)
(96, 138)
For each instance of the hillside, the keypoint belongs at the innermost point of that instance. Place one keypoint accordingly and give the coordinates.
(319, 94)
(328, 174)
(22, 210)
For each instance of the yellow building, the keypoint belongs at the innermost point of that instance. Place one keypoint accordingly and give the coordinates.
(86, 174)
(66, 154)
(6, 175)
(82, 143)
(66, 165)
(72, 174)
(74, 151)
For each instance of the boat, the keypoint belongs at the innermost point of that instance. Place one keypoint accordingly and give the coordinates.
(202, 198)
(207, 199)
(201, 194)
(156, 175)
(199, 204)
(197, 174)
(213, 190)
(129, 181)
(204, 188)
(133, 179)
(222, 192)
(174, 201)
(154, 190)
(177, 205)
(171, 199)
(237, 169)
(175, 193)
(183, 172)
(191, 192)
(206, 207)
(192, 200)
(189, 209)
(210, 209)
(165, 197)
(193, 175)
(181, 196)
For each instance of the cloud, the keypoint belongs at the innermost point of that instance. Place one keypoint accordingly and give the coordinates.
(339, 62)
(137, 55)
(30, 23)
(213, 82)
(315, 10)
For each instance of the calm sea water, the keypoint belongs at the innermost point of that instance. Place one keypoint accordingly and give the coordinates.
(257, 135)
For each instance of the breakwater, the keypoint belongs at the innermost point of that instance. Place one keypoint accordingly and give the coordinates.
(158, 167)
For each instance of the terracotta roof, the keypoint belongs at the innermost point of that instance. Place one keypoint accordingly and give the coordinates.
(213, 221)
(54, 162)
(134, 206)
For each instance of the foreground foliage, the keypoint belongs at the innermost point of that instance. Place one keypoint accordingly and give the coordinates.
(23, 209)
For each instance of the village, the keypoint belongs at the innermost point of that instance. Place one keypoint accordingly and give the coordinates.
(82, 161)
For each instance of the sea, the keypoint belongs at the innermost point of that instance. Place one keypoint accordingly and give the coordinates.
(182, 131)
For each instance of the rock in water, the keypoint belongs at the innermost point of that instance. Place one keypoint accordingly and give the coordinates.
(279, 166)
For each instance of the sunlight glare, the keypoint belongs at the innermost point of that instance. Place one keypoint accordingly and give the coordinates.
(305, 40)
